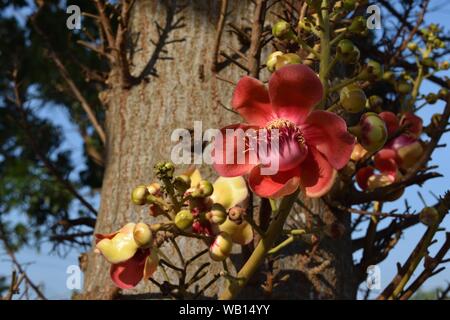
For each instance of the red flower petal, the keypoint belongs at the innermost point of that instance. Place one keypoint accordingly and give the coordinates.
(293, 91)
(128, 274)
(391, 121)
(251, 101)
(274, 186)
(413, 123)
(327, 132)
(362, 177)
(385, 162)
(316, 174)
(231, 161)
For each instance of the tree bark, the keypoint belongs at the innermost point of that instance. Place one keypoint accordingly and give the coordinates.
(140, 120)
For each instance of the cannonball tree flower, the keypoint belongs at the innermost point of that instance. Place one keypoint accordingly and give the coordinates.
(383, 173)
(406, 148)
(130, 253)
(313, 145)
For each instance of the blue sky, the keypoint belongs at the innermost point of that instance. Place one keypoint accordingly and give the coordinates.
(50, 269)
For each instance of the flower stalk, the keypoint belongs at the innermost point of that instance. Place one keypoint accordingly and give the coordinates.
(262, 249)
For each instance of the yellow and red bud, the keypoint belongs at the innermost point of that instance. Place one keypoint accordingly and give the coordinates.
(272, 60)
(372, 132)
(139, 195)
(142, 235)
(221, 248)
(217, 214)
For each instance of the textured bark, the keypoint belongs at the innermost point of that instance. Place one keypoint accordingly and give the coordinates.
(140, 120)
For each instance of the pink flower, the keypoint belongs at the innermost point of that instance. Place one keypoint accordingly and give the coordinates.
(385, 163)
(313, 145)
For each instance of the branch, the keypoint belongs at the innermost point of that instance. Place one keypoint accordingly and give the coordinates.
(67, 78)
(19, 267)
(429, 269)
(395, 288)
(254, 52)
(220, 25)
(48, 164)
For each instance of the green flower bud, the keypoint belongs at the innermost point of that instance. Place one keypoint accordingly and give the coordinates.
(374, 102)
(431, 98)
(434, 28)
(429, 216)
(429, 62)
(164, 169)
(443, 93)
(349, 5)
(221, 248)
(389, 76)
(139, 195)
(403, 87)
(358, 26)
(181, 183)
(217, 214)
(286, 59)
(413, 46)
(304, 24)
(444, 65)
(282, 30)
(352, 98)
(184, 219)
(347, 51)
(373, 71)
(202, 190)
(437, 43)
(272, 60)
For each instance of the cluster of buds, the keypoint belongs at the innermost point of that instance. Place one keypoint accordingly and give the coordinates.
(150, 195)
(209, 209)
(399, 154)
(282, 31)
(432, 36)
(193, 206)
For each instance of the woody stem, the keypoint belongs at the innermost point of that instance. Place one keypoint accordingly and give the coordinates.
(261, 250)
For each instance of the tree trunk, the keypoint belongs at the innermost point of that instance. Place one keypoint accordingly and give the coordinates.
(140, 120)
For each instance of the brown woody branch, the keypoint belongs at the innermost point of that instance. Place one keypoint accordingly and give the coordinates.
(68, 79)
(395, 287)
(47, 163)
(19, 267)
(430, 267)
(254, 52)
(220, 26)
